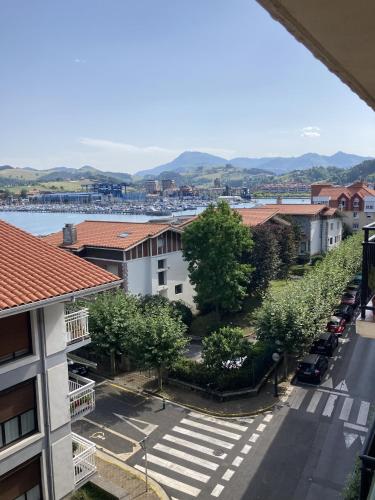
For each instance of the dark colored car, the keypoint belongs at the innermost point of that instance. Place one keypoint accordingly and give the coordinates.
(357, 279)
(77, 368)
(349, 297)
(353, 287)
(325, 344)
(336, 325)
(344, 311)
(312, 368)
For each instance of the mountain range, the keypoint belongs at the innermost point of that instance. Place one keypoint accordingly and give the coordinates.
(275, 165)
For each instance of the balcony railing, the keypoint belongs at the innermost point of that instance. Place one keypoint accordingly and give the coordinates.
(81, 396)
(77, 326)
(83, 458)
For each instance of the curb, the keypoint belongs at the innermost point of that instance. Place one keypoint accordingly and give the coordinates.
(158, 490)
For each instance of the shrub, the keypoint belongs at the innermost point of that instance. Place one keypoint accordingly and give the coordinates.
(316, 258)
(184, 311)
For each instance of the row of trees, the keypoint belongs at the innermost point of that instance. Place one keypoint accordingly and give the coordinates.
(295, 315)
(149, 330)
(227, 260)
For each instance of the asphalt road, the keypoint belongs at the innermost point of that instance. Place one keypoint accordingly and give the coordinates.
(304, 449)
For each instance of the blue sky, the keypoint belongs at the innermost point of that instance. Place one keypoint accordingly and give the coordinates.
(129, 84)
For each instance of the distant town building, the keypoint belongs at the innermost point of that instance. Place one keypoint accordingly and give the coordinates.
(151, 186)
(80, 198)
(355, 202)
(217, 182)
(116, 190)
(147, 256)
(167, 184)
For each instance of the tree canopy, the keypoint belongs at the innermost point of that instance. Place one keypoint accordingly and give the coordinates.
(223, 348)
(213, 245)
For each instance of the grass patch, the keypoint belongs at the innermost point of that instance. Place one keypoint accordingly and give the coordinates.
(91, 492)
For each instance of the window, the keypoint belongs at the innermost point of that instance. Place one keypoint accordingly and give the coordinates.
(161, 278)
(331, 225)
(368, 216)
(342, 203)
(331, 241)
(335, 239)
(356, 203)
(178, 289)
(17, 341)
(17, 413)
(161, 240)
(338, 224)
(369, 207)
(23, 482)
(355, 225)
(161, 264)
(355, 215)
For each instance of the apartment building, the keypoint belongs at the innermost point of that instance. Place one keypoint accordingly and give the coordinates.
(355, 202)
(147, 256)
(320, 226)
(40, 458)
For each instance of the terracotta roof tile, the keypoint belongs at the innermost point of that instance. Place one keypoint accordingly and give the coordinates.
(336, 192)
(297, 209)
(109, 234)
(32, 270)
(255, 216)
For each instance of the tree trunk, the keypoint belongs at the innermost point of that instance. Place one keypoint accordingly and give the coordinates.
(285, 365)
(160, 377)
(113, 363)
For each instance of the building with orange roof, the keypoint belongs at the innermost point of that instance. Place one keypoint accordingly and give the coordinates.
(147, 256)
(40, 457)
(321, 227)
(356, 202)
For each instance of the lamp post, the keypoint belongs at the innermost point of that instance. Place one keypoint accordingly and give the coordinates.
(276, 359)
(143, 444)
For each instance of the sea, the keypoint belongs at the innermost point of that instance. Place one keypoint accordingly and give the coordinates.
(45, 223)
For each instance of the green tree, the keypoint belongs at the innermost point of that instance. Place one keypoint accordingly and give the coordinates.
(263, 257)
(213, 245)
(113, 319)
(23, 193)
(288, 239)
(222, 348)
(159, 339)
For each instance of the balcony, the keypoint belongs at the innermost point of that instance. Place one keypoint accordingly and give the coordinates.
(83, 459)
(81, 396)
(77, 327)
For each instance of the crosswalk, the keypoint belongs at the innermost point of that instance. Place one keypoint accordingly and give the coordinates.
(328, 403)
(197, 448)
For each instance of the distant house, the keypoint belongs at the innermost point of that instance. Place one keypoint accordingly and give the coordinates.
(321, 227)
(355, 202)
(147, 256)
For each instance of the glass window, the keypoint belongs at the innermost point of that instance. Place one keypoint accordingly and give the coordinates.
(27, 422)
(331, 226)
(161, 278)
(355, 215)
(11, 430)
(161, 263)
(178, 289)
(34, 493)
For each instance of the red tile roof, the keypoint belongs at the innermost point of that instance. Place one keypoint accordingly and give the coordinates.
(297, 209)
(109, 234)
(31, 270)
(255, 216)
(335, 192)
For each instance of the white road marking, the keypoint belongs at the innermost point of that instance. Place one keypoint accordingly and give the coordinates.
(172, 483)
(217, 490)
(194, 446)
(237, 461)
(334, 392)
(314, 402)
(342, 386)
(329, 407)
(328, 383)
(298, 398)
(268, 418)
(186, 456)
(261, 427)
(218, 421)
(253, 438)
(345, 410)
(350, 438)
(146, 430)
(203, 437)
(180, 469)
(355, 427)
(339, 350)
(363, 413)
(209, 428)
(245, 450)
(228, 474)
(330, 368)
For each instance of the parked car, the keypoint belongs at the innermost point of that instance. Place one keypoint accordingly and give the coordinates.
(77, 368)
(353, 287)
(312, 368)
(357, 279)
(325, 344)
(344, 311)
(336, 325)
(349, 297)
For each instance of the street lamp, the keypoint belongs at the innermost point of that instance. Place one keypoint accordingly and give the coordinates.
(276, 359)
(143, 445)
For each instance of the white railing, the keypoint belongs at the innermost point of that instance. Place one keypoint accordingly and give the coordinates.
(83, 458)
(81, 396)
(77, 325)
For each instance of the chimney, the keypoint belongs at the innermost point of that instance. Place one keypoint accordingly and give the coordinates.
(69, 234)
(279, 200)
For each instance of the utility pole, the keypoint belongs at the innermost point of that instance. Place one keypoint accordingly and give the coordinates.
(143, 444)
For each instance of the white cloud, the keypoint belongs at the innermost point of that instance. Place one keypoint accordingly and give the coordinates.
(79, 61)
(311, 132)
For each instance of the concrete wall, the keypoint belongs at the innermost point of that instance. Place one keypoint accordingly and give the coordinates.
(55, 328)
(63, 472)
(139, 276)
(315, 236)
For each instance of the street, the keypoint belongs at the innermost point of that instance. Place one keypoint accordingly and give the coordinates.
(304, 449)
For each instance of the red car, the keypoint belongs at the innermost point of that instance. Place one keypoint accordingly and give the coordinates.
(350, 298)
(336, 325)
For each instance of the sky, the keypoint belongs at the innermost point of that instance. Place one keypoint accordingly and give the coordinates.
(124, 85)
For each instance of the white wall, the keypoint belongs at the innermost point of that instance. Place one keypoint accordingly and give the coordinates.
(63, 473)
(58, 389)
(139, 276)
(334, 232)
(55, 328)
(315, 237)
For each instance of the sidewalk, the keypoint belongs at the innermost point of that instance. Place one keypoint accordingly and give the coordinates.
(245, 406)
